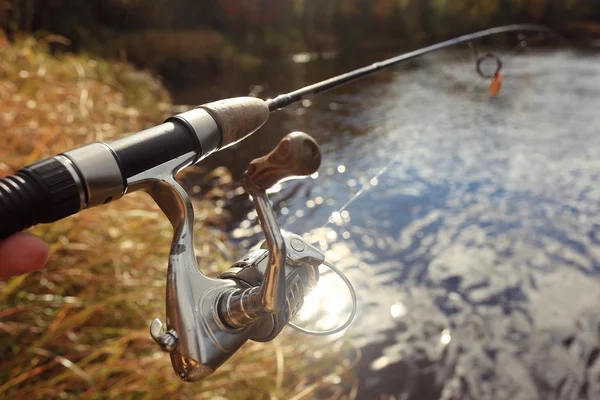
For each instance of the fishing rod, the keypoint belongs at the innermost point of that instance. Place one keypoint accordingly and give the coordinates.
(207, 319)
(285, 100)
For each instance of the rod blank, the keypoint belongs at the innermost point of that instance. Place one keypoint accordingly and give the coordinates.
(285, 100)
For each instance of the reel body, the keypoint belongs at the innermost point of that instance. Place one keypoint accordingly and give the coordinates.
(208, 319)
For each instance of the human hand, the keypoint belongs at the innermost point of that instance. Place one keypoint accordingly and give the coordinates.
(22, 253)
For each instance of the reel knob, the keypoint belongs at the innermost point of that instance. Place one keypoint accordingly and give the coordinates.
(167, 340)
(297, 154)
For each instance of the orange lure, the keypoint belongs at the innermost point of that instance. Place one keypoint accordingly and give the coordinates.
(496, 84)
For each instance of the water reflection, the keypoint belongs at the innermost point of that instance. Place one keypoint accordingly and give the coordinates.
(327, 306)
(380, 363)
(398, 310)
(470, 226)
(446, 337)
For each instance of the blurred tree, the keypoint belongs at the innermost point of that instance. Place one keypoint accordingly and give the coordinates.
(267, 27)
(382, 9)
(4, 7)
(537, 8)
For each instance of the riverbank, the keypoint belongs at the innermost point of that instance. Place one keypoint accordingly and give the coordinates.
(182, 40)
(79, 328)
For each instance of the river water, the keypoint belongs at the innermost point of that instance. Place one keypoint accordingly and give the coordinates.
(469, 225)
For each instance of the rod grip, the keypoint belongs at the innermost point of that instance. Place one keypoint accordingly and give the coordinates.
(39, 193)
(237, 117)
(297, 154)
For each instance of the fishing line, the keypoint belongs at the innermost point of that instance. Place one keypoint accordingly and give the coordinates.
(287, 99)
(362, 190)
(282, 101)
(367, 186)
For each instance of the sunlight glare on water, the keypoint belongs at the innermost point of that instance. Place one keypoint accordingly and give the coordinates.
(472, 233)
(276, 188)
(328, 304)
(446, 337)
(398, 310)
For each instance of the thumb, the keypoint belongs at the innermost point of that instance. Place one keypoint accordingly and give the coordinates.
(22, 253)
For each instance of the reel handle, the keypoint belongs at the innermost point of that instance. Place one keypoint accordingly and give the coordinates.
(297, 154)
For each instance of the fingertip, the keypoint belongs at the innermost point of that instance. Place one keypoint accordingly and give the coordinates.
(38, 250)
(22, 253)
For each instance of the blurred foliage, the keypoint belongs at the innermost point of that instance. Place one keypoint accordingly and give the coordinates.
(250, 20)
(79, 328)
(211, 35)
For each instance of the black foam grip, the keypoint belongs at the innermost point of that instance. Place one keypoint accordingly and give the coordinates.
(45, 191)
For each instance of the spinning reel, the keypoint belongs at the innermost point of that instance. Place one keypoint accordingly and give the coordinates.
(209, 319)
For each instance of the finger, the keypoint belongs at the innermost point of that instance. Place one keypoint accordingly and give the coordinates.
(22, 253)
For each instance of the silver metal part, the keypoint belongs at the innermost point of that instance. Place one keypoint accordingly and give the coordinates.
(300, 252)
(206, 129)
(100, 171)
(242, 307)
(166, 339)
(203, 343)
(297, 245)
(301, 276)
(272, 290)
(71, 168)
(143, 180)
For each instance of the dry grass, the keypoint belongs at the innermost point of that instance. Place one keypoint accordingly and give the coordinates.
(79, 327)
